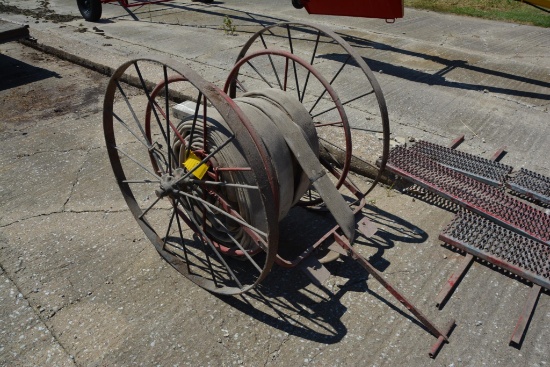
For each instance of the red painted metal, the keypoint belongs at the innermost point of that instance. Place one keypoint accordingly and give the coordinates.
(453, 281)
(440, 334)
(384, 9)
(129, 4)
(485, 170)
(483, 199)
(502, 247)
(457, 276)
(455, 143)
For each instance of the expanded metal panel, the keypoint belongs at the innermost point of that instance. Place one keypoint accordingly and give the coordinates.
(477, 196)
(483, 169)
(500, 246)
(531, 184)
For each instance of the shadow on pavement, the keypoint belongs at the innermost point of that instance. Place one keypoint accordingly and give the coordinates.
(15, 73)
(285, 302)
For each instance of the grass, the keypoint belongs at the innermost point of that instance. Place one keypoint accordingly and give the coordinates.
(503, 10)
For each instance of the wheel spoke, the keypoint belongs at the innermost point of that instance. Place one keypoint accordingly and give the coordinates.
(272, 64)
(293, 62)
(223, 184)
(205, 159)
(338, 124)
(208, 261)
(136, 162)
(167, 118)
(144, 142)
(344, 103)
(331, 81)
(223, 212)
(149, 207)
(246, 254)
(192, 132)
(260, 74)
(157, 118)
(186, 256)
(218, 255)
(204, 126)
(311, 63)
(140, 181)
(130, 108)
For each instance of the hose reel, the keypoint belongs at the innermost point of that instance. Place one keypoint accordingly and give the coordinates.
(210, 189)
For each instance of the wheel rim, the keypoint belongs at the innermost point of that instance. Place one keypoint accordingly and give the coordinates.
(192, 221)
(341, 64)
(312, 77)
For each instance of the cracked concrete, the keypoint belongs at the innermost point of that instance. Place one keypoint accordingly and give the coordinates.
(81, 285)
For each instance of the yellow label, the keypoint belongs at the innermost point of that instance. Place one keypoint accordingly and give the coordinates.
(193, 161)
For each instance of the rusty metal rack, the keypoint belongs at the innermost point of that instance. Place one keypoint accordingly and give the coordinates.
(486, 170)
(472, 194)
(509, 250)
(532, 184)
(490, 225)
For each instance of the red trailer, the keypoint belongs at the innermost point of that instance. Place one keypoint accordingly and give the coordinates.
(384, 9)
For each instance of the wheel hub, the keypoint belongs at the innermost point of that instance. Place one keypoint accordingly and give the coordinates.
(170, 184)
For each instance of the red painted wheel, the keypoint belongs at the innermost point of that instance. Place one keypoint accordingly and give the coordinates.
(200, 188)
(345, 67)
(285, 73)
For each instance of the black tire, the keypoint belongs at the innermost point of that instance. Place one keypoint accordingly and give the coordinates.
(297, 4)
(90, 9)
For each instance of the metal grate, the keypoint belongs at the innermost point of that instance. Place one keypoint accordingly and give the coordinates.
(500, 246)
(474, 195)
(482, 169)
(531, 184)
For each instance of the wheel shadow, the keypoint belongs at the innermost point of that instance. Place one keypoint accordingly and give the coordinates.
(286, 299)
(438, 78)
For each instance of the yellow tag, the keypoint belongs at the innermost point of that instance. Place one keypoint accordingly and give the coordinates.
(193, 161)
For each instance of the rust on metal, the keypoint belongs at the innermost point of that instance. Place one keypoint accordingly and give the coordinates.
(532, 184)
(474, 195)
(500, 246)
(453, 281)
(486, 170)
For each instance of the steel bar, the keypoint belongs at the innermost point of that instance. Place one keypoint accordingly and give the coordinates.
(500, 246)
(453, 281)
(525, 317)
(531, 184)
(485, 170)
(434, 330)
(499, 154)
(441, 339)
(456, 142)
(457, 276)
(465, 191)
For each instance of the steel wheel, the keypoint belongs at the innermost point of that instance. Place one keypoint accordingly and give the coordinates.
(280, 66)
(199, 188)
(348, 75)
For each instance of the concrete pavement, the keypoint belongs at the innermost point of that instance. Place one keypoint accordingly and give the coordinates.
(81, 285)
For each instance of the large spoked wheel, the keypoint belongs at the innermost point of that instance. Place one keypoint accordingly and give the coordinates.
(90, 9)
(341, 64)
(283, 73)
(200, 188)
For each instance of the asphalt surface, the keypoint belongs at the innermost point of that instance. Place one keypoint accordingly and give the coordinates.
(81, 285)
